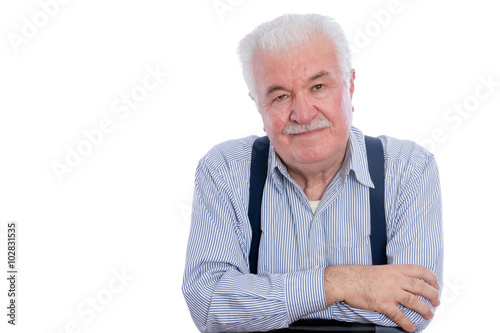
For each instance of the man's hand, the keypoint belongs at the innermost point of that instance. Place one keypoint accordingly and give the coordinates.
(382, 288)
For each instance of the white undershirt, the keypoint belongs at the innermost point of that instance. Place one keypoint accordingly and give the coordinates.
(314, 205)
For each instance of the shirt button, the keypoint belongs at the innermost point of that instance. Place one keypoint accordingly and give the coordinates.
(316, 267)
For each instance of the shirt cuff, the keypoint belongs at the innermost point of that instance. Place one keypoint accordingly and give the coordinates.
(305, 293)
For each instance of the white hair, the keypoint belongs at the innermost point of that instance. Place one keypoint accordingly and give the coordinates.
(289, 31)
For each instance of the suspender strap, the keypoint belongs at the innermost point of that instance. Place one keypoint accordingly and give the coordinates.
(378, 234)
(258, 175)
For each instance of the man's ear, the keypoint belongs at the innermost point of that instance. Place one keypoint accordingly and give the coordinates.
(351, 84)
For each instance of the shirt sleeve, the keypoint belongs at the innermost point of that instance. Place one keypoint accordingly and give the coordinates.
(415, 233)
(220, 292)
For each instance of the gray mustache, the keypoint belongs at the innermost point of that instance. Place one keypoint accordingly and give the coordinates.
(294, 128)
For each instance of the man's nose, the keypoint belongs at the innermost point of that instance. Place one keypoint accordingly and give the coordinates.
(303, 110)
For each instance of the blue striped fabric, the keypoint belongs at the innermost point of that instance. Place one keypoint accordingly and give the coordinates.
(297, 245)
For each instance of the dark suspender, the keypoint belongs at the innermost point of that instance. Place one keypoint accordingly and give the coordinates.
(258, 175)
(378, 233)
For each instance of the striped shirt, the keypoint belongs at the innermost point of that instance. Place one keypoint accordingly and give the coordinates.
(297, 244)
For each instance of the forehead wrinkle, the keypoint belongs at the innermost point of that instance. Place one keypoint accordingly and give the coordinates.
(319, 75)
(274, 88)
(288, 65)
(271, 75)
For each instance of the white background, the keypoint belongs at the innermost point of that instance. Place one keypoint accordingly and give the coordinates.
(125, 206)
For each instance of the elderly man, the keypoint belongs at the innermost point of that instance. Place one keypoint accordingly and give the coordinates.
(315, 248)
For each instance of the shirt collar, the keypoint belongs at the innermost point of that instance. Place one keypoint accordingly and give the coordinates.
(356, 160)
(359, 160)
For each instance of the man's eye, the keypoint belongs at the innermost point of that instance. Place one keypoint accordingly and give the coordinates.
(280, 97)
(318, 87)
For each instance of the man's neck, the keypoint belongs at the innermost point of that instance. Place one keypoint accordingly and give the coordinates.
(315, 178)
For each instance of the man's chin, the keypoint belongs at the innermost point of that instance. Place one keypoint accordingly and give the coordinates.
(311, 157)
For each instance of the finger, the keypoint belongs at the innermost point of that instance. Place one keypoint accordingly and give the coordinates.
(419, 287)
(397, 316)
(420, 272)
(412, 302)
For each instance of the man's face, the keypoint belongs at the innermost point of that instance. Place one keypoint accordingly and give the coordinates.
(304, 103)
